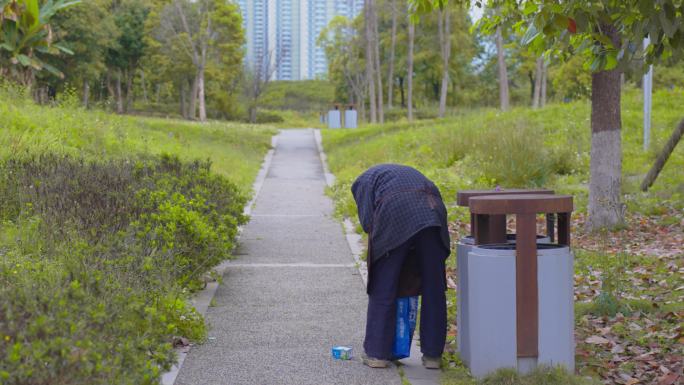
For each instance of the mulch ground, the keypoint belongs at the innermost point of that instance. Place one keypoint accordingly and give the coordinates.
(638, 273)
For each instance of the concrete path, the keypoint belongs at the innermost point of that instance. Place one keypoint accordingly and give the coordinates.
(292, 293)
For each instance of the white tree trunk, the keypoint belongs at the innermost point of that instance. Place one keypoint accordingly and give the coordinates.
(119, 94)
(86, 93)
(538, 74)
(378, 68)
(445, 45)
(503, 72)
(545, 72)
(370, 77)
(200, 96)
(192, 113)
(144, 85)
(605, 183)
(390, 74)
(409, 70)
(605, 209)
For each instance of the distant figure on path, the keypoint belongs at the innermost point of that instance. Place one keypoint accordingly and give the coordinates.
(408, 242)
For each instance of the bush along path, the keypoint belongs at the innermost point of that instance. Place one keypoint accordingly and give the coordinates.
(97, 260)
(294, 291)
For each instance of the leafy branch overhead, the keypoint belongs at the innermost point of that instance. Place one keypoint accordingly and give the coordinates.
(26, 37)
(586, 27)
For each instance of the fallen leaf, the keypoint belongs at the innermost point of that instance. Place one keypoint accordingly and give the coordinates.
(668, 379)
(597, 340)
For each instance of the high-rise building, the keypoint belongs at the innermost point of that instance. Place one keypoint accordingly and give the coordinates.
(283, 33)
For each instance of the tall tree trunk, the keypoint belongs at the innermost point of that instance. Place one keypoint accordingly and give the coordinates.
(378, 68)
(361, 105)
(183, 99)
(370, 78)
(192, 114)
(252, 111)
(409, 70)
(111, 93)
(86, 93)
(158, 93)
(393, 43)
(200, 96)
(119, 95)
(144, 85)
(445, 47)
(129, 90)
(503, 72)
(605, 183)
(539, 69)
(530, 77)
(545, 71)
(401, 91)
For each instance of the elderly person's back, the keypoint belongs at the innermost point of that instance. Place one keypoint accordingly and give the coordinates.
(403, 213)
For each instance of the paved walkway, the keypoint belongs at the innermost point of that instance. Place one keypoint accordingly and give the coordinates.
(292, 293)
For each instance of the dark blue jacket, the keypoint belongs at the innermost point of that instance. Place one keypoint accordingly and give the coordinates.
(394, 203)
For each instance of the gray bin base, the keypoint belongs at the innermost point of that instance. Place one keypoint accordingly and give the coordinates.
(490, 318)
(463, 248)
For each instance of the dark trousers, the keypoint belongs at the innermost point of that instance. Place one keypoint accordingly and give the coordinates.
(381, 322)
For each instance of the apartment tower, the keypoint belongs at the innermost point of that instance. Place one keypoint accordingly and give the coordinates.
(283, 33)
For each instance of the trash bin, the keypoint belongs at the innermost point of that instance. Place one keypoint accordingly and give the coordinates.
(350, 117)
(464, 246)
(334, 118)
(518, 295)
(491, 316)
(496, 225)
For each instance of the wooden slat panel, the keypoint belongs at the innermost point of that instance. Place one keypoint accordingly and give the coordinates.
(521, 204)
(564, 228)
(527, 300)
(497, 229)
(550, 227)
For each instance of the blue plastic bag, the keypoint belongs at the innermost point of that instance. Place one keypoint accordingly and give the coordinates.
(407, 311)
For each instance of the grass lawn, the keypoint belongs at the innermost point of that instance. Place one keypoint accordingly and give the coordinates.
(628, 282)
(236, 150)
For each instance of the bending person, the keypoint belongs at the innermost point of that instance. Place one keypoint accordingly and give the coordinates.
(408, 242)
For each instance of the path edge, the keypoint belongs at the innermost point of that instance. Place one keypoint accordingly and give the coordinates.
(202, 299)
(354, 240)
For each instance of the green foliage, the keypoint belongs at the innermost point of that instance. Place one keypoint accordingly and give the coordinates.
(302, 96)
(344, 45)
(267, 117)
(103, 237)
(192, 38)
(101, 293)
(607, 34)
(129, 18)
(90, 46)
(26, 38)
(570, 80)
(669, 76)
(524, 147)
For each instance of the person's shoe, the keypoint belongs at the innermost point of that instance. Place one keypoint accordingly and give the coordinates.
(375, 362)
(432, 362)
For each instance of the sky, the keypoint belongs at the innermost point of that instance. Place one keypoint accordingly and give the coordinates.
(475, 13)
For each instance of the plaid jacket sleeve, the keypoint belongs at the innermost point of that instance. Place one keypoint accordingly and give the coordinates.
(362, 190)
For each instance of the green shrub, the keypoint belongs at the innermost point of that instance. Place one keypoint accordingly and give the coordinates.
(511, 156)
(264, 117)
(96, 263)
(302, 96)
